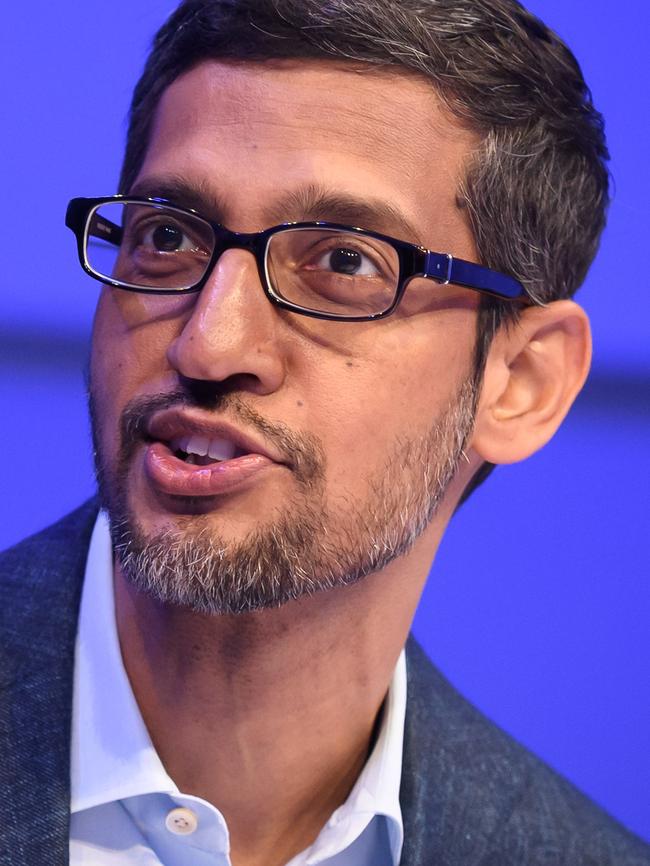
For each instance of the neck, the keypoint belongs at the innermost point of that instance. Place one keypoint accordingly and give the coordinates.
(267, 715)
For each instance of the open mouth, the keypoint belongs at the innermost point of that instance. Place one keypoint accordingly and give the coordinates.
(190, 455)
(199, 450)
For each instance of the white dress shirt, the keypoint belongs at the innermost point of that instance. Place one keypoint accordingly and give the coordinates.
(125, 808)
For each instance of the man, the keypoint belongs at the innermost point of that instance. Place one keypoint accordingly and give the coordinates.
(336, 291)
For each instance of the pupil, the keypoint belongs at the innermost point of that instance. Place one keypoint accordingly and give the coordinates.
(345, 261)
(167, 238)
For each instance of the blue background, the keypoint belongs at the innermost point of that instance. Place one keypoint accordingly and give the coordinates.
(538, 607)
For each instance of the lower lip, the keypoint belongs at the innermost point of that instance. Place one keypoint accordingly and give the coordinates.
(174, 477)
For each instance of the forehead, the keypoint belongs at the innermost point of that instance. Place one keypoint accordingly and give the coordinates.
(246, 131)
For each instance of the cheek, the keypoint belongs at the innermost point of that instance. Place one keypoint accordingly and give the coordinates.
(129, 347)
(394, 387)
(107, 363)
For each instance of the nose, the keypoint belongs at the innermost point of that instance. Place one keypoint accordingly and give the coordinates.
(231, 333)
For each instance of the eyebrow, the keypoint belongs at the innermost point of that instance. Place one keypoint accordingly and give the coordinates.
(312, 202)
(178, 191)
(316, 202)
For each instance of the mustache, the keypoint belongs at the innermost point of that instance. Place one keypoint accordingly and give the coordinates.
(304, 453)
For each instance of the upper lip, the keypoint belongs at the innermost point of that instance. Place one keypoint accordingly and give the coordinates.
(170, 424)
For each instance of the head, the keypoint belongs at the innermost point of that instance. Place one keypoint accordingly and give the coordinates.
(473, 121)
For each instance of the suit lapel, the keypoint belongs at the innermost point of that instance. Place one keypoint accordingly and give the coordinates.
(457, 780)
(40, 587)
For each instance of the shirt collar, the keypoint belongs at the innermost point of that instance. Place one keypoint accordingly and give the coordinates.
(112, 756)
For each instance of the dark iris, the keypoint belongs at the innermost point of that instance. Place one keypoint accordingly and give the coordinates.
(345, 261)
(167, 238)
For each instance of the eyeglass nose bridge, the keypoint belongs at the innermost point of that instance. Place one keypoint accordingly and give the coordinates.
(225, 239)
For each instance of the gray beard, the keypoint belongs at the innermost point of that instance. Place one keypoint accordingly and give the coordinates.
(312, 546)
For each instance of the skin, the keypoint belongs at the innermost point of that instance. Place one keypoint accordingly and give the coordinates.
(269, 715)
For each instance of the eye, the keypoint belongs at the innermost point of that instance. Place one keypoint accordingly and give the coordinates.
(166, 238)
(347, 261)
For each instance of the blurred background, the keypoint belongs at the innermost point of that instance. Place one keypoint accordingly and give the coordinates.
(538, 606)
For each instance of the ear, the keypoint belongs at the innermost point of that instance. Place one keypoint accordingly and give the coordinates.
(533, 373)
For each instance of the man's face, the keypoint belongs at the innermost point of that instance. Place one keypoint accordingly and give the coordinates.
(347, 431)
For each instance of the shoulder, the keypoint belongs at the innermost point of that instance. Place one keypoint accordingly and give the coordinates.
(56, 547)
(40, 589)
(467, 781)
(41, 577)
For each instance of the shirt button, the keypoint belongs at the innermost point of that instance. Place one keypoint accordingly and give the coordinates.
(181, 821)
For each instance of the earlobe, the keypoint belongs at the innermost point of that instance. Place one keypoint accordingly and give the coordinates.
(533, 373)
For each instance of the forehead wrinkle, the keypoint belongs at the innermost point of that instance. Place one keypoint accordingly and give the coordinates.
(365, 119)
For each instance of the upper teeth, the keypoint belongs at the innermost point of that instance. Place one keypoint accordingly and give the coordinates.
(218, 449)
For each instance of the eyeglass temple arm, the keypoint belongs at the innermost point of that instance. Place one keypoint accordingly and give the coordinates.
(444, 268)
(102, 228)
(99, 227)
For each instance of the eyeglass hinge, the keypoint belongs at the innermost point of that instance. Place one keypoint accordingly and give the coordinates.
(435, 266)
(450, 262)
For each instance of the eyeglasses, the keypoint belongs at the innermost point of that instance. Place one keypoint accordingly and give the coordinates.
(318, 269)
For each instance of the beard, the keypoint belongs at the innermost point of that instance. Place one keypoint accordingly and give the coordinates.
(312, 545)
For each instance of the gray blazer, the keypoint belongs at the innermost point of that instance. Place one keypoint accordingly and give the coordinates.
(470, 795)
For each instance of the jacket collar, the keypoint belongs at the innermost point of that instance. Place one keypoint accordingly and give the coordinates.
(461, 775)
(40, 586)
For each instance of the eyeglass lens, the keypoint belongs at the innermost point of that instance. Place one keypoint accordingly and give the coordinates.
(148, 246)
(321, 269)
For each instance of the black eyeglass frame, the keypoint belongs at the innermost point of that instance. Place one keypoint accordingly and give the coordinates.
(414, 261)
